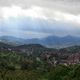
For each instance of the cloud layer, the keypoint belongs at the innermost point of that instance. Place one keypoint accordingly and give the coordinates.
(39, 18)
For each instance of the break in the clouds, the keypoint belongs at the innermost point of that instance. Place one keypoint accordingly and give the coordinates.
(39, 18)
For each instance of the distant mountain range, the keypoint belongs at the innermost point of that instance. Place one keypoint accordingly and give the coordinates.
(50, 41)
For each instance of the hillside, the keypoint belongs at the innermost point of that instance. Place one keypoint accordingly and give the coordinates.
(50, 41)
(34, 61)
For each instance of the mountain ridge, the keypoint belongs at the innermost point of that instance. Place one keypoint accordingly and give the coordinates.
(50, 41)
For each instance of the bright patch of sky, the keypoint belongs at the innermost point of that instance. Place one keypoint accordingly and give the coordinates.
(39, 12)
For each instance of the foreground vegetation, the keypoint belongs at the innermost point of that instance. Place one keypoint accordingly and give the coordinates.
(60, 72)
(19, 66)
(32, 65)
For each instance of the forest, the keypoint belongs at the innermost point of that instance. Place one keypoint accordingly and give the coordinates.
(34, 62)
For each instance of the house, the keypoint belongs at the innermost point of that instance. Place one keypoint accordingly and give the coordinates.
(74, 58)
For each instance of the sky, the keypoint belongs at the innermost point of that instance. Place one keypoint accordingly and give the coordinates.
(39, 18)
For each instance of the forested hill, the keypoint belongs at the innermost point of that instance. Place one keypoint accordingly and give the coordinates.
(36, 62)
